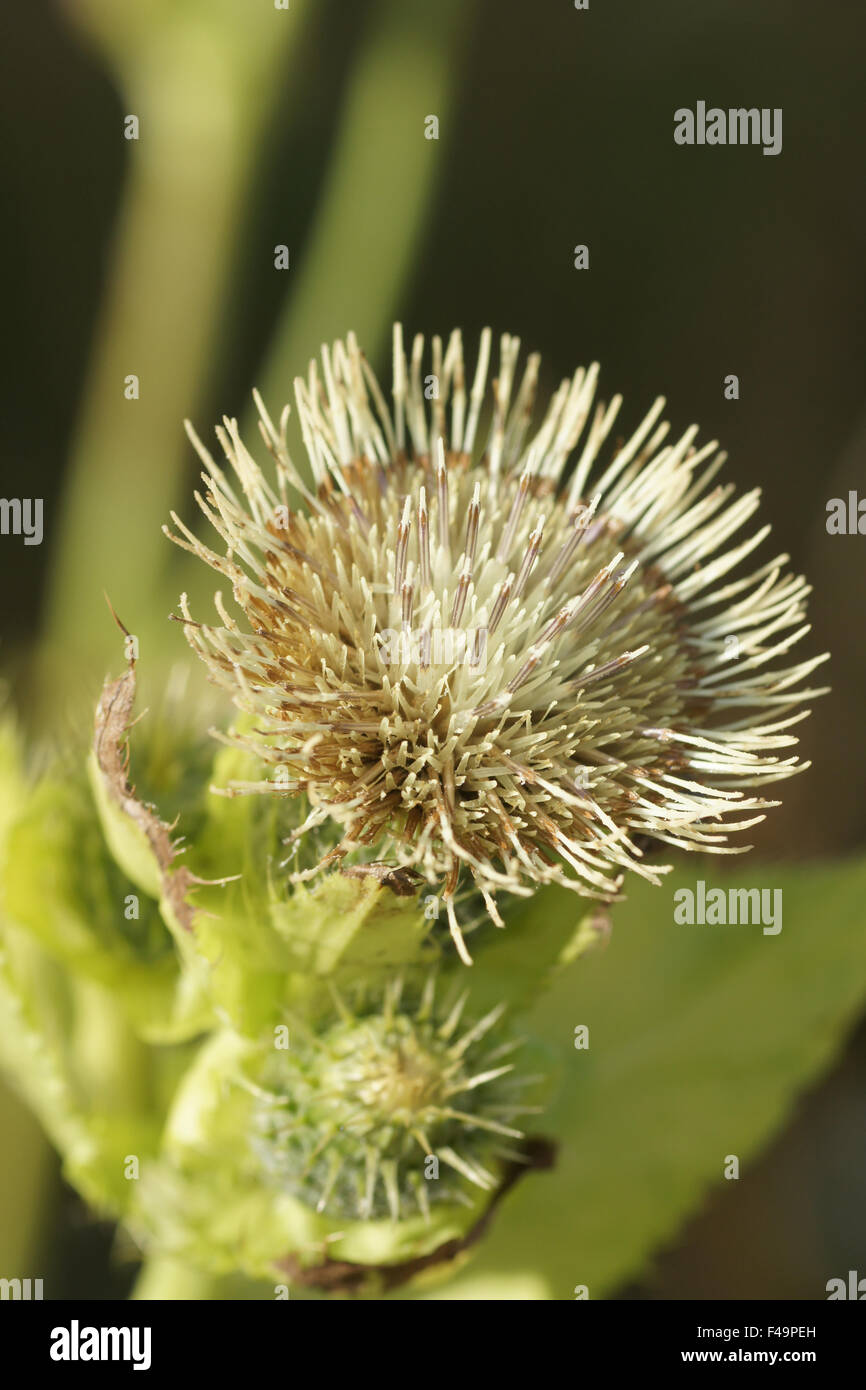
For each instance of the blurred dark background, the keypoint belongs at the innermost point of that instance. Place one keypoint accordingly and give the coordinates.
(702, 262)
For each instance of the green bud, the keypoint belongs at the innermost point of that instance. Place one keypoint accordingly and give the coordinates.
(395, 1106)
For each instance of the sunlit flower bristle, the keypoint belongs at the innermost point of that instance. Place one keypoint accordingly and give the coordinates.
(514, 659)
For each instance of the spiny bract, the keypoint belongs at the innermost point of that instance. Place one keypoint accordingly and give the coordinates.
(351, 1118)
(514, 660)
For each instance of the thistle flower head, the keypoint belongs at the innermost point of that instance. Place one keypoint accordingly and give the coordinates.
(519, 658)
(350, 1117)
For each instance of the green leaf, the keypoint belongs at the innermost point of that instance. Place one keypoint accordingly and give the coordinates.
(273, 944)
(40, 1051)
(518, 963)
(271, 949)
(60, 883)
(700, 1040)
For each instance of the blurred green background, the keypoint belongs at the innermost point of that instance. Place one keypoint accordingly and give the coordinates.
(305, 127)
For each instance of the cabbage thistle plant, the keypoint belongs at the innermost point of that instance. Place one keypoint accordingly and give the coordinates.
(267, 999)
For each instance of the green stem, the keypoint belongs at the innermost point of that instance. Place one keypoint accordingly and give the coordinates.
(112, 1065)
(367, 229)
(200, 88)
(26, 1175)
(164, 1279)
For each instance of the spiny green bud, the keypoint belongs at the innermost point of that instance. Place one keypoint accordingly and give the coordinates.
(398, 1104)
